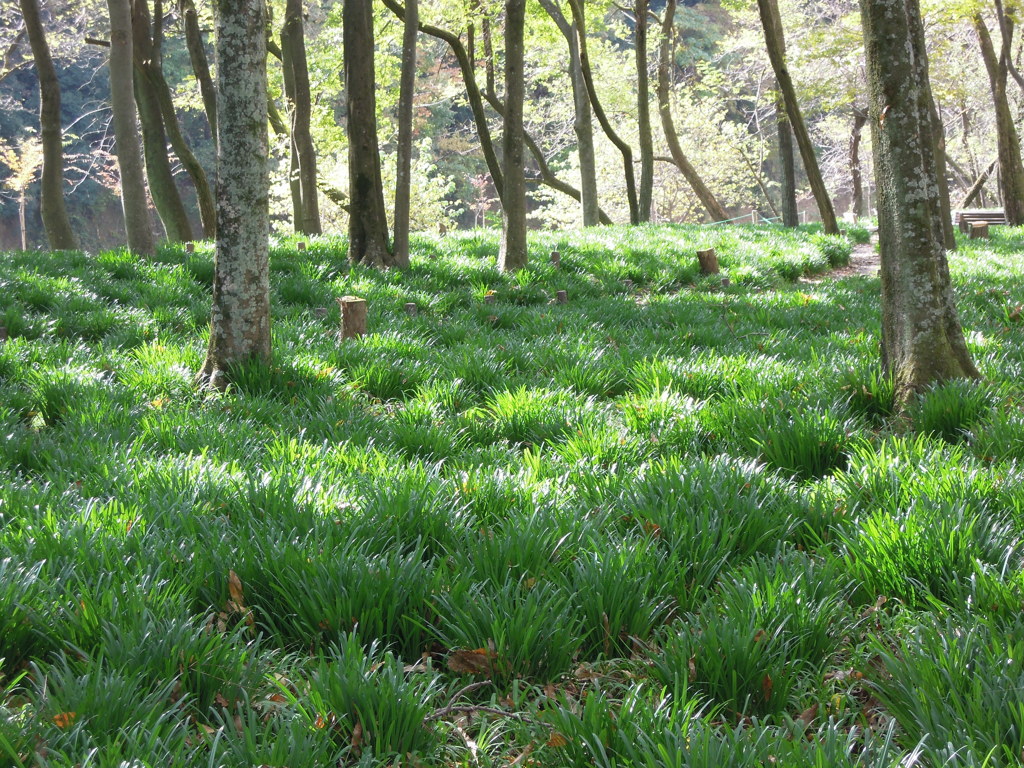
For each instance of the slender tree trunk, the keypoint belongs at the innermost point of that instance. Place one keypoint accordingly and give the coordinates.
(200, 65)
(974, 190)
(645, 198)
(240, 320)
(1011, 169)
(294, 178)
(293, 45)
(790, 214)
(368, 223)
(776, 44)
(23, 226)
(59, 234)
(583, 122)
(512, 254)
(704, 194)
(922, 341)
(625, 150)
(860, 118)
(406, 96)
(126, 134)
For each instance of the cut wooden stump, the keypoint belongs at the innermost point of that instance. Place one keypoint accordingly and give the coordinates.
(556, 258)
(490, 298)
(301, 246)
(562, 297)
(353, 317)
(411, 309)
(979, 230)
(708, 262)
(190, 247)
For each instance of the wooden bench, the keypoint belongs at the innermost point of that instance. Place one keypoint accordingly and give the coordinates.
(991, 217)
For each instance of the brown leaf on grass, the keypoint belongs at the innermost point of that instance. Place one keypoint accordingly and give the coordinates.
(64, 719)
(477, 661)
(766, 687)
(556, 740)
(237, 602)
(357, 736)
(691, 666)
(844, 674)
(807, 716)
(760, 635)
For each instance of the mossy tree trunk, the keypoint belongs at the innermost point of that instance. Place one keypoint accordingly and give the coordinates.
(293, 46)
(240, 320)
(790, 213)
(645, 139)
(512, 254)
(860, 119)
(59, 234)
(200, 64)
(407, 92)
(922, 340)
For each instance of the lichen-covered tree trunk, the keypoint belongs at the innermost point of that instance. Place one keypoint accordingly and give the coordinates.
(790, 214)
(59, 234)
(645, 140)
(293, 45)
(367, 217)
(240, 320)
(127, 145)
(512, 254)
(922, 340)
(407, 92)
(200, 64)
(664, 89)
(775, 42)
(860, 118)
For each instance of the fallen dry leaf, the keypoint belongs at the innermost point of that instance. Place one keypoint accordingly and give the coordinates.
(766, 687)
(64, 719)
(478, 661)
(556, 740)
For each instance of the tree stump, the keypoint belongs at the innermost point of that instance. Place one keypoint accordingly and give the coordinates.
(490, 298)
(411, 309)
(979, 230)
(562, 297)
(301, 245)
(708, 262)
(3, 333)
(556, 258)
(353, 317)
(190, 247)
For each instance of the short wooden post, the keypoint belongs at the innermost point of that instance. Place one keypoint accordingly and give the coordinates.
(301, 245)
(979, 230)
(965, 225)
(562, 297)
(411, 309)
(490, 298)
(708, 262)
(353, 317)
(190, 247)
(556, 258)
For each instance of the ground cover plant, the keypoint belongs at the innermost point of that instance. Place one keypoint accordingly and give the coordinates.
(667, 523)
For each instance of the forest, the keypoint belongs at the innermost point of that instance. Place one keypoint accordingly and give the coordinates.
(525, 383)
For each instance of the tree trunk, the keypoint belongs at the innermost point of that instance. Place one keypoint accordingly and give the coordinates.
(240, 320)
(407, 93)
(583, 122)
(974, 190)
(59, 234)
(776, 44)
(200, 65)
(162, 185)
(367, 221)
(643, 113)
(922, 341)
(126, 133)
(512, 254)
(860, 117)
(705, 195)
(627, 152)
(790, 214)
(1011, 169)
(293, 46)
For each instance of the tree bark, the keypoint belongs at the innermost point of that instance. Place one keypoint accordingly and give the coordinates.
(126, 133)
(1011, 169)
(407, 93)
(583, 122)
(293, 46)
(922, 340)
(59, 234)
(790, 214)
(627, 152)
(860, 118)
(200, 64)
(707, 198)
(645, 140)
(512, 253)
(979, 183)
(368, 223)
(776, 44)
(240, 320)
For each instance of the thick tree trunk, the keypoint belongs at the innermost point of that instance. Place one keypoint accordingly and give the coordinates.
(368, 222)
(59, 234)
(790, 214)
(512, 254)
(126, 133)
(626, 151)
(583, 121)
(1011, 169)
(645, 138)
(776, 44)
(240, 320)
(407, 93)
(200, 65)
(293, 46)
(704, 194)
(922, 341)
(860, 118)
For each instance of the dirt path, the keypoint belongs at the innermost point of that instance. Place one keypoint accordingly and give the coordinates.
(864, 262)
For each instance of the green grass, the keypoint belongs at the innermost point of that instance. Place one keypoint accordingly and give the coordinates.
(665, 524)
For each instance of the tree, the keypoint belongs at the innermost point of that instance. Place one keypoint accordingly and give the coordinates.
(126, 134)
(512, 254)
(407, 91)
(240, 319)
(643, 111)
(55, 216)
(776, 44)
(922, 340)
(367, 217)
